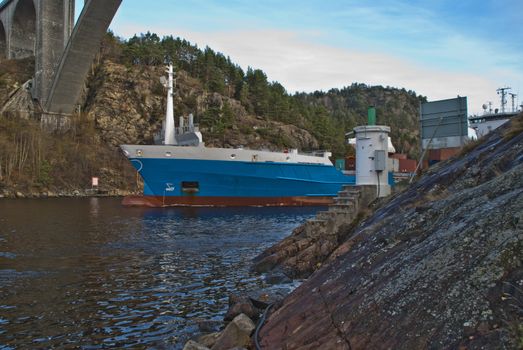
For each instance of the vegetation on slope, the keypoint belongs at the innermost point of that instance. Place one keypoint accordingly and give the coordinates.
(397, 108)
(47, 164)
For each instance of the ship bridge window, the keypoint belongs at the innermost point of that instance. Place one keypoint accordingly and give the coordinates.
(190, 186)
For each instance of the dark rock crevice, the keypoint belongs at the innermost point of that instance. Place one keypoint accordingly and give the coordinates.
(338, 329)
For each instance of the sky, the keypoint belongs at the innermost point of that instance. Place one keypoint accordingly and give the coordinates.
(438, 48)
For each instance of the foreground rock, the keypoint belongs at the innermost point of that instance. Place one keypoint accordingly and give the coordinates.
(241, 304)
(236, 334)
(192, 345)
(439, 266)
(209, 340)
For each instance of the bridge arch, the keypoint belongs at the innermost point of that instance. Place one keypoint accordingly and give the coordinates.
(3, 42)
(23, 31)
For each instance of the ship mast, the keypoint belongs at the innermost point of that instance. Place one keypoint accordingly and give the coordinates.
(503, 93)
(169, 138)
(513, 97)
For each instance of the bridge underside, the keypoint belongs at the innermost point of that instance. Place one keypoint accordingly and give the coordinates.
(79, 54)
(23, 30)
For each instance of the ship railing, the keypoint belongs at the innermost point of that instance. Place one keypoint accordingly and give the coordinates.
(318, 153)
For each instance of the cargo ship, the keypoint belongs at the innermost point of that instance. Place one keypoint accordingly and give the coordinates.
(184, 172)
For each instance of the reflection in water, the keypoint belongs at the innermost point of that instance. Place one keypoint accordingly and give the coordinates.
(89, 273)
(94, 206)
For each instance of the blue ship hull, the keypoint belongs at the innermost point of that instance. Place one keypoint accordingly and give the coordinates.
(221, 182)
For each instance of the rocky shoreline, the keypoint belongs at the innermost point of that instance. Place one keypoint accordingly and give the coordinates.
(77, 193)
(244, 318)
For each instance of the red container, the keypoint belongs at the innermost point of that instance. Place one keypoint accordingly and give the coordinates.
(407, 165)
(350, 163)
(442, 153)
(447, 153)
(399, 156)
(434, 154)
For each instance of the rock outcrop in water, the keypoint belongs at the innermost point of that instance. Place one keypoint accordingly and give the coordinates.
(310, 244)
(438, 266)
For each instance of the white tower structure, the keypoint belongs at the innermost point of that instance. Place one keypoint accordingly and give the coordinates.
(169, 137)
(372, 145)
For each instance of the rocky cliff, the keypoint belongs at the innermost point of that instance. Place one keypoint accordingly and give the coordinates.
(15, 98)
(438, 266)
(127, 105)
(13, 73)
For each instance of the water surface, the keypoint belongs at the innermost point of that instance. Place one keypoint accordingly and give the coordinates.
(89, 273)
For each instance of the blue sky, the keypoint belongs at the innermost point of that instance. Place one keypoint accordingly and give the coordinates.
(437, 48)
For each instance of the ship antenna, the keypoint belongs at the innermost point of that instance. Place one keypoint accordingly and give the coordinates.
(169, 137)
(513, 98)
(503, 93)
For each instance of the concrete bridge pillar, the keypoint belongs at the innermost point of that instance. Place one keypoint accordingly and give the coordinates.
(40, 29)
(44, 29)
(55, 24)
(79, 54)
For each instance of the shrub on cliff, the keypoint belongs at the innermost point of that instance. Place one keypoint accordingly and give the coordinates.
(35, 160)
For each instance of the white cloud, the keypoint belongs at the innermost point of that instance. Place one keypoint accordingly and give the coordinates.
(301, 65)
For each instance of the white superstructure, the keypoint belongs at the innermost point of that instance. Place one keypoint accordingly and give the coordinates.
(484, 124)
(229, 154)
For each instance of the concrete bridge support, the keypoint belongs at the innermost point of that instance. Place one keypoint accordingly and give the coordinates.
(79, 54)
(44, 29)
(55, 24)
(39, 28)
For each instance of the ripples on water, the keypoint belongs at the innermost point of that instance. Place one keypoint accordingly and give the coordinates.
(89, 273)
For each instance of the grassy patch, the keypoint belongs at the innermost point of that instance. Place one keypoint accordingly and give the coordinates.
(516, 128)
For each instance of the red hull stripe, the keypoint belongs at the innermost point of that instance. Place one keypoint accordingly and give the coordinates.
(189, 201)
